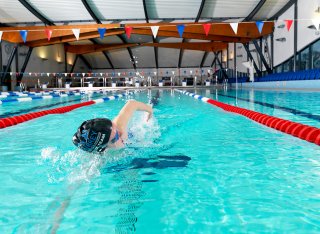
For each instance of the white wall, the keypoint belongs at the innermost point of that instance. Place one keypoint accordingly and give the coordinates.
(48, 59)
(306, 12)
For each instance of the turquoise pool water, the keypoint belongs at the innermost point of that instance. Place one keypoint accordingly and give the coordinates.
(193, 169)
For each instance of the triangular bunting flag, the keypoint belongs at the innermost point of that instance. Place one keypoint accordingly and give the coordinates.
(181, 29)
(65, 74)
(154, 30)
(48, 33)
(316, 23)
(128, 31)
(102, 31)
(0, 35)
(260, 25)
(48, 74)
(206, 28)
(30, 73)
(76, 32)
(24, 34)
(83, 74)
(101, 74)
(288, 24)
(234, 27)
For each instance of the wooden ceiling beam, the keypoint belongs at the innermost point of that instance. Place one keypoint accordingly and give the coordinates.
(71, 38)
(198, 36)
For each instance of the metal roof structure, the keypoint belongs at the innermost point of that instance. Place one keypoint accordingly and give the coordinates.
(116, 50)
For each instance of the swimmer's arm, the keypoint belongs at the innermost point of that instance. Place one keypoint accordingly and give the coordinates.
(127, 111)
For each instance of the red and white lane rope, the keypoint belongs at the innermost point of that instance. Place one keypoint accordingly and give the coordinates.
(10, 121)
(302, 131)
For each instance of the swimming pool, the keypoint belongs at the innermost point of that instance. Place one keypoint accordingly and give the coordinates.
(193, 169)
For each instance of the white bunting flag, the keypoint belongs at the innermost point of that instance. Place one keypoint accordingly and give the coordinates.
(76, 32)
(101, 74)
(234, 27)
(48, 74)
(316, 23)
(65, 74)
(155, 73)
(119, 73)
(83, 74)
(0, 35)
(154, 30)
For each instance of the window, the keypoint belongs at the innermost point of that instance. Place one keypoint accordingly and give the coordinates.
(288, 65)
(316, 55)
(304, 59)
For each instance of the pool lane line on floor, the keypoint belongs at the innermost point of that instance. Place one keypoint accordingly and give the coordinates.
(302, 131)
(287, 109)
(10, 121)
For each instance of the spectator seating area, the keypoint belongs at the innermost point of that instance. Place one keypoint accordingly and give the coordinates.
(240, 80)
(313, 74)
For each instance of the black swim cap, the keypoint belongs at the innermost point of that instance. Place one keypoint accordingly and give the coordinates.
(93, 135)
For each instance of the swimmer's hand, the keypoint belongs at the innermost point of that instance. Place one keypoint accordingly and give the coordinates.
(150, 114)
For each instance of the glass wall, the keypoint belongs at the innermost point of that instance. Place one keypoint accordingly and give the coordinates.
(316, 55)
(304, 57)
(307, 58)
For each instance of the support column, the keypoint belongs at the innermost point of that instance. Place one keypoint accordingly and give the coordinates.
(272, 50)
(235, 59)
(295, 35)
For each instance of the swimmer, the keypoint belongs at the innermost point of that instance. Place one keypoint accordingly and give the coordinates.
(96, 135)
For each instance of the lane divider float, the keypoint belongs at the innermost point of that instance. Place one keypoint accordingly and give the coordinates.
(14, 120)
(31, 97)
(302, 131)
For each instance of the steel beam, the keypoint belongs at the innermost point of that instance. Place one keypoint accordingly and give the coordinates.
(255, 10)
(36, 13)
(74, 63)
(13, 53)
(153, 39)
(259, 50)
(220, 65)
(246, 47)
(93, 15)
(24, 66)
(282, 10)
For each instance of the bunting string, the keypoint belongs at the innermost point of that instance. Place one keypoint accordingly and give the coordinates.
(180, 28)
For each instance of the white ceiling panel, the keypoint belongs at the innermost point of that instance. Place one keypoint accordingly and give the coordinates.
(173, 9)
(14, 12)
(230, 8)
(115, 9)
(269, 9)
(97, 60)
(145, 56)
(120, 58)
(168, 57)
(191, 58)
(61, 10)
(209, 60)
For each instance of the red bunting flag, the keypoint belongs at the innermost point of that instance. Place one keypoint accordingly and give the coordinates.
(288, 24)
(206, 28)
(48, 33)
(128, 31)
